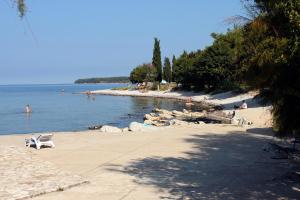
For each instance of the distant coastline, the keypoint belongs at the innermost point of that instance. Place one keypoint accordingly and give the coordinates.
(117, 79)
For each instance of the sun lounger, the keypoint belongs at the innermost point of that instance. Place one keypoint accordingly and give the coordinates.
(40, 140)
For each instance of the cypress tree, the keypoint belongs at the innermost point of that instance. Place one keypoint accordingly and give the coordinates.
(156, 60)
(173, 68)
(167, 70)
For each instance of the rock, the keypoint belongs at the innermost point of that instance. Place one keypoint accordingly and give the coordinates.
(165, 116)
(240, 121)
(148, 122)
(151, 118)
(176, 122)
(135, 126)
(110, 129)
(234, 121)
(185, 111)
(147, 116)
(178, 113)
(162, 111)
(153, 114)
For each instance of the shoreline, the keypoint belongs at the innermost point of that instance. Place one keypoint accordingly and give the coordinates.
(150, 164)
(225, 99)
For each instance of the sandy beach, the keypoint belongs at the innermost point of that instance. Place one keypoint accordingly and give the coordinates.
(206, 161)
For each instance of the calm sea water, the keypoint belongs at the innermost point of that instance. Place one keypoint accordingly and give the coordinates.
(54, 110)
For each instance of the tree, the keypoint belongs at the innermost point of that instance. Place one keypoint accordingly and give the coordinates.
(172, 69)
(216, 67)
(143, 73)
(184, 70)
(21, 7)
(156, 60)
(272, 46)
(167, 70)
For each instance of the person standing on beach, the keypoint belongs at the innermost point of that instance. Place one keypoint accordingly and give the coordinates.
(28, 109)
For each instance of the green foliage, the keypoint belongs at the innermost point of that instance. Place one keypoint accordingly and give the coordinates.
(172, 68)
(21, 7)
(167, 70)
(214, 68)
(143, 73)
(184, 69)
(156, 60)
(272, 54)
(262, 54)
(119, 79)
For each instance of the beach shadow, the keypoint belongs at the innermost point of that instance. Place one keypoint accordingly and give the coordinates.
(261, 131)
(229, 166)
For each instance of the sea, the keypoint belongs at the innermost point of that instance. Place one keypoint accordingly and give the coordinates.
(62, 108)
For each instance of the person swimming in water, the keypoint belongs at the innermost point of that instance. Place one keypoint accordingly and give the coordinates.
(28, 109)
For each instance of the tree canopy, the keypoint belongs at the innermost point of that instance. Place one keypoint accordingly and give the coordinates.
(143, 73)
(167, 72)
(272, 54)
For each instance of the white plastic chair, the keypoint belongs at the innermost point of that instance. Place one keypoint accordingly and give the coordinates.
(40, 140)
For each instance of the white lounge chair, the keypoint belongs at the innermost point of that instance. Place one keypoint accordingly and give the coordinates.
(40, 140)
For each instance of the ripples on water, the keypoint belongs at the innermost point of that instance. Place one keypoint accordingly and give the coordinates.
(54, 110)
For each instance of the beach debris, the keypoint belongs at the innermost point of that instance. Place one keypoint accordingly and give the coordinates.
(95, 127)
(240, 121)
(110, 129)
(164, 117)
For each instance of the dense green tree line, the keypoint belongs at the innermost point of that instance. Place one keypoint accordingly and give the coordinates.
(118, 79)
(263, 54)
(215, 67)
(143, 73)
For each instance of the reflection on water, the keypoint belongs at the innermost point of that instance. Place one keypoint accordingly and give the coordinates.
(54, 110)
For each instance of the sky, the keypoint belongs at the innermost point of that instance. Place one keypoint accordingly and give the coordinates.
(61, 41)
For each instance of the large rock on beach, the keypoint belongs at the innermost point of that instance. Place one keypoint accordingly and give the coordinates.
(135, 126)
(110, 129)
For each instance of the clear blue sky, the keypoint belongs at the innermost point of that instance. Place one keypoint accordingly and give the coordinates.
(79, 38)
